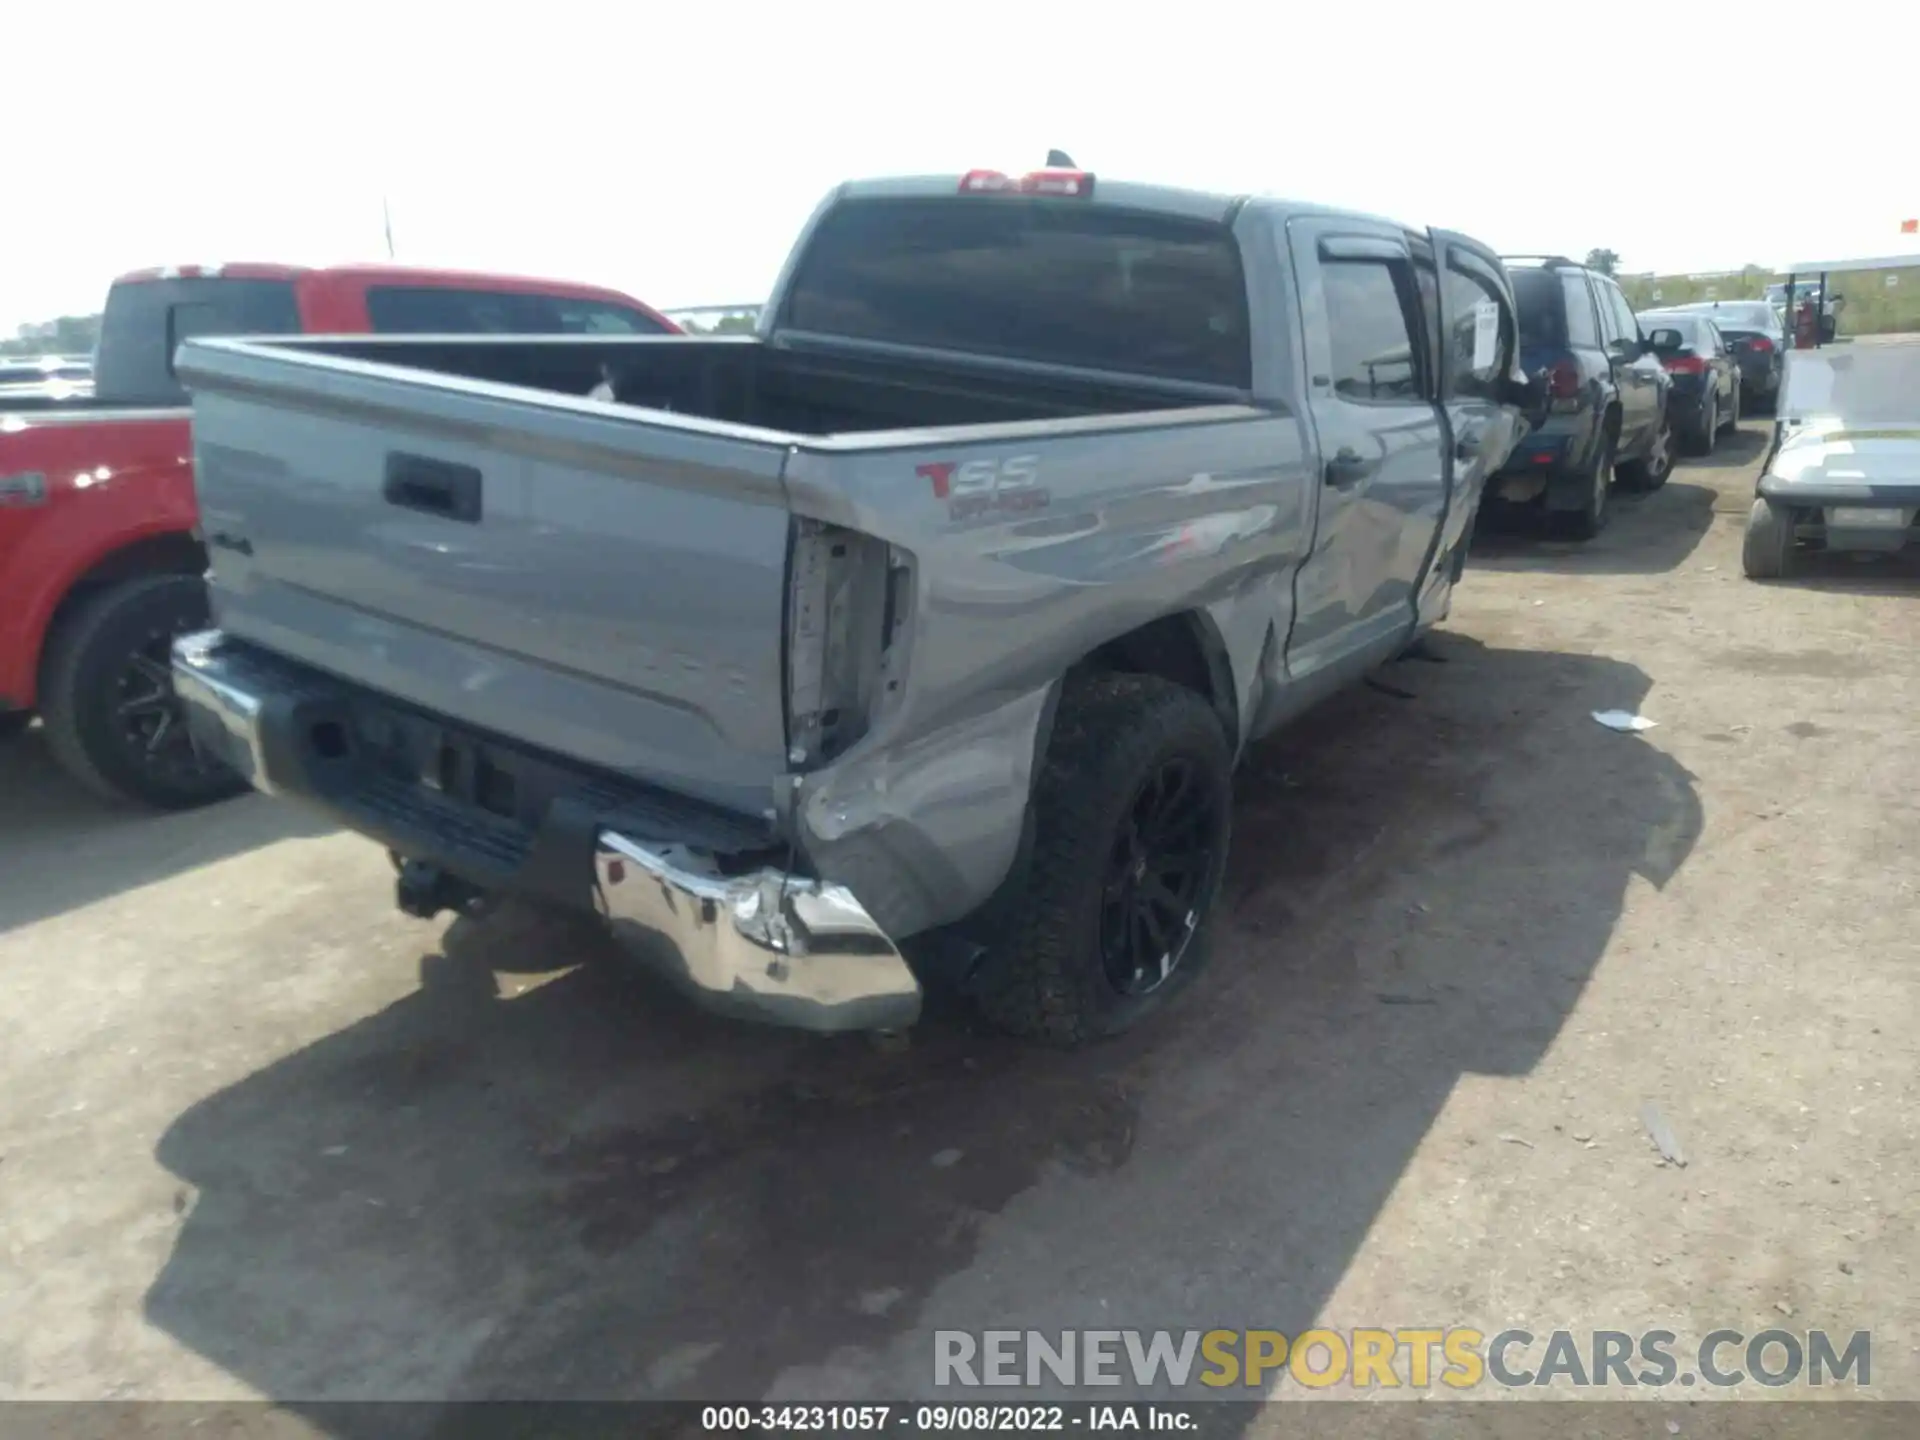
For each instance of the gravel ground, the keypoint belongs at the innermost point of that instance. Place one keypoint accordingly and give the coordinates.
(264, 1136)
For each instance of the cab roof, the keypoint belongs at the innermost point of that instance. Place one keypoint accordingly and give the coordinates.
(371, 272)
(1215, 205)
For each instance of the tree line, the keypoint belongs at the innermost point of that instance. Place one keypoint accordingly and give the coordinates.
(68, 335)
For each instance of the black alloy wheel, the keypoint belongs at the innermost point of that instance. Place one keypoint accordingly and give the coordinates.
(1160, 867)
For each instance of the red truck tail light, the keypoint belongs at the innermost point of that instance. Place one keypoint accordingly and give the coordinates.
(1074, 184)
(1685, 365)
(1563, 380)
(1762, 344)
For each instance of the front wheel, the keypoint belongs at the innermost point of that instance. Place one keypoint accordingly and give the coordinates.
(1767, 550)
(1132, 811)
(107, 698)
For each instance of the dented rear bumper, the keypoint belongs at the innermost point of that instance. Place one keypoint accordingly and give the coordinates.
(672, 878)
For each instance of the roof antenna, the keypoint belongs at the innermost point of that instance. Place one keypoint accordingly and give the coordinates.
(1060, 160)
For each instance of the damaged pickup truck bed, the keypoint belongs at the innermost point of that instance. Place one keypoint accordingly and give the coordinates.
(915, 638)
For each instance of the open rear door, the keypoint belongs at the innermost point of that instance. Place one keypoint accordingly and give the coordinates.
(1479, 340)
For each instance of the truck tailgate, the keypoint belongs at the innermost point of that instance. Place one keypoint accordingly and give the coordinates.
(552, 570)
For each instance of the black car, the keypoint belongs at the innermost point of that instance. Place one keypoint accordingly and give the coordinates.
(1607, 396)
(1756, 333)
(1705, 372)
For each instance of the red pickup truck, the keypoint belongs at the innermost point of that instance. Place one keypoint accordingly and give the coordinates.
(101, 552)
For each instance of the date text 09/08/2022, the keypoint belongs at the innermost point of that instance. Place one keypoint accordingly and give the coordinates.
(934, 1418)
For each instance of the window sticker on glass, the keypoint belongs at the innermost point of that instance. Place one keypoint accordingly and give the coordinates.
(1486, 334)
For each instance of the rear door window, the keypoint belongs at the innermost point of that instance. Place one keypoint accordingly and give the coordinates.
(1374, 358)
(1625, 327)
(1468, 297)
(1583, 326)
(1057, 281)
(1610, 331)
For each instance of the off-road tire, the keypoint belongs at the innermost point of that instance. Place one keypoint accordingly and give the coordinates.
(1045, 979)
(1767, 549)
(79, 692)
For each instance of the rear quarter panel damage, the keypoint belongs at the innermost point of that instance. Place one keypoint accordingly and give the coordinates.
(923, 818)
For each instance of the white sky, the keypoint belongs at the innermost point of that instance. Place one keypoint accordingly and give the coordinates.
(674, 151)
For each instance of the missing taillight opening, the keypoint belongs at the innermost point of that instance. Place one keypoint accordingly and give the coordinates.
(848, 602)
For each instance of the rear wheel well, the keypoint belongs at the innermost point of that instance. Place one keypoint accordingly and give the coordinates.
(1183, 648)
(175, 553)
(1186, 649)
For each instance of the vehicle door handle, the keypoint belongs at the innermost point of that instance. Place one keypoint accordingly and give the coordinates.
(1347, 468)
(433, 487)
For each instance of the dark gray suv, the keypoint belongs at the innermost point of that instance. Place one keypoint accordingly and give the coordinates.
(1606, 396)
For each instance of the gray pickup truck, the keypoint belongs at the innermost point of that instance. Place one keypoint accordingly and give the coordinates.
(912, 640)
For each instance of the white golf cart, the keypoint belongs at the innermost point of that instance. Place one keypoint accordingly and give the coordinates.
(1843, 473)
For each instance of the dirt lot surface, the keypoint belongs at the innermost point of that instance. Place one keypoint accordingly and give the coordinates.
(263, 1136)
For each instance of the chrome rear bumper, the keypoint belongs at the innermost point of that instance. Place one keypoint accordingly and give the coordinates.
(769, 946)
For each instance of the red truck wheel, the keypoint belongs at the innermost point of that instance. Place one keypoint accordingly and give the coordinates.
(107, 699)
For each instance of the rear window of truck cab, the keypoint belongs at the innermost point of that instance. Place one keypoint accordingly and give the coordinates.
(1061, 281)
(145, 321)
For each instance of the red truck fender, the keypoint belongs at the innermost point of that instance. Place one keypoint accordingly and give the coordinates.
(129, 512)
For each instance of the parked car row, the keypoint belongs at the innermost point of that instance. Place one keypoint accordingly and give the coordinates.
(1607, 396)
(1625, 388)
(1705, 397)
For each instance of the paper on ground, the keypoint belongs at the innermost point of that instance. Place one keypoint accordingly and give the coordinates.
(1623, 720)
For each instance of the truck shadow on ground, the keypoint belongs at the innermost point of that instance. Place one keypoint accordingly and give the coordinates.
(62, 847)
(514, 1186)
(1644, 535)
